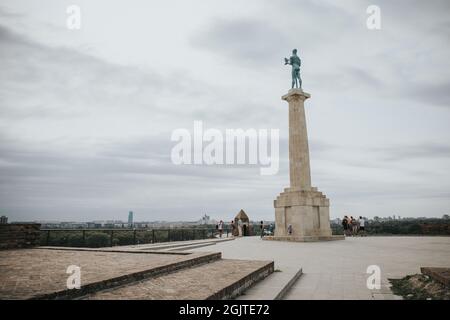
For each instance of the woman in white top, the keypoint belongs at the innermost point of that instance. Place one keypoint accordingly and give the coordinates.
(240, 227)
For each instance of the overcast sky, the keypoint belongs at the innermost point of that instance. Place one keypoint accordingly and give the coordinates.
(86, 115)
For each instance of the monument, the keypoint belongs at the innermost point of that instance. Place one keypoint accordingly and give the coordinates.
(301, 211)
(243, 227)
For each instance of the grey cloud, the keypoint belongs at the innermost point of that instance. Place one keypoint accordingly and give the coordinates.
(379, 157)
(248, 41)
(430, 94)
(418, 151)
(30, 67)
(40, 81)
(5, 13)
(360, 75)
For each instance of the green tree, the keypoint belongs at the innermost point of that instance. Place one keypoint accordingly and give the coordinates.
(97, 240)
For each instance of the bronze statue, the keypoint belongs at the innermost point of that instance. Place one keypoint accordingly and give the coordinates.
(295, 62)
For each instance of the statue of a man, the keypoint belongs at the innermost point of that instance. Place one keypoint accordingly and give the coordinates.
(295, 62)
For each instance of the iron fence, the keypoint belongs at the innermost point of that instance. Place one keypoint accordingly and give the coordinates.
(94, 238)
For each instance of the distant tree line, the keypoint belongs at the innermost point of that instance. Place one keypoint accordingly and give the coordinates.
(99, 238)
(410, 226)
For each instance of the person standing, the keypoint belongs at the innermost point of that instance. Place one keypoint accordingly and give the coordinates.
(220, 227)
(362, 225)
(350, 225)
(233, 228)
(354, 226)
(261, 226)
(240, 227)
(345, 225)
(289, 229)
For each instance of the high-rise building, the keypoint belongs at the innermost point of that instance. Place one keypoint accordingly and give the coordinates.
(130, 218)
(3, 220)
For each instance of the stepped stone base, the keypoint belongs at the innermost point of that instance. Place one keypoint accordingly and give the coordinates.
(307, 211)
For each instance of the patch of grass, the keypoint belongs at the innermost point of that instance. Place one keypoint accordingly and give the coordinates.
(419, 287)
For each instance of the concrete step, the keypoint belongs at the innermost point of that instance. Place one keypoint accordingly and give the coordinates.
(161, 246)
(189, 247)
(274, 287)
(221, 279)
(174, 244)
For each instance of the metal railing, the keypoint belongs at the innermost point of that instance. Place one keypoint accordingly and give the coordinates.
(95, 238)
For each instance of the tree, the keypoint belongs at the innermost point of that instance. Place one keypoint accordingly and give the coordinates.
(97, 239)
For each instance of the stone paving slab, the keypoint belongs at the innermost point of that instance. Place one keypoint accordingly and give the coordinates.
(32, 273)
(216, 280)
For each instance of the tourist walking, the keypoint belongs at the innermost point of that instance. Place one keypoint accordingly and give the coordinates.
(220, 227)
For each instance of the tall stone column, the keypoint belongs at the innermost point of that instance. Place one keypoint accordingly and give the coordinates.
(299, 168)
(301, 211)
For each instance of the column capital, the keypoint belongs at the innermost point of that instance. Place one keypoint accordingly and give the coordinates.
(294, 94)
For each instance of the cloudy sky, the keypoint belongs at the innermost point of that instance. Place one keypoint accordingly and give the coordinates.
(86, 116)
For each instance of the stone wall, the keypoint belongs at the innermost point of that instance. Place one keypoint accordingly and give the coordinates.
(19, 235)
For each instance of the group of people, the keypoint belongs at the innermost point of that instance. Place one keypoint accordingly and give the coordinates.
(354, 227)
(241, 228)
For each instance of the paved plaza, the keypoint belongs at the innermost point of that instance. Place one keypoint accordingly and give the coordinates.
(337, 269)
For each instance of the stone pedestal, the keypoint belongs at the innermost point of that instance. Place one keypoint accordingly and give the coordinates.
(307, 211)
(301, 206)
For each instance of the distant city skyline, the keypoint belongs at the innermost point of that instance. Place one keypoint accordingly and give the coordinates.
(87, 115)
(209, 220)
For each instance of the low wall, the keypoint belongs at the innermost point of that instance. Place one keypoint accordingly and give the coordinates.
(19, 235)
